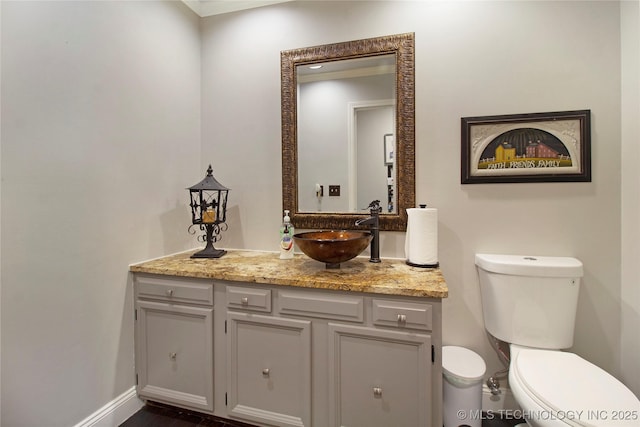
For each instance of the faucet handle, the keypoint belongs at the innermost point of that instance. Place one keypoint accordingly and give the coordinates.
(375, 207)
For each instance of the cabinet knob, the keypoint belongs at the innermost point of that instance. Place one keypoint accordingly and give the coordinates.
(265, 372)
(244, 301)
(172, 356)
(169, 292)
(402, 318)
(377, 392)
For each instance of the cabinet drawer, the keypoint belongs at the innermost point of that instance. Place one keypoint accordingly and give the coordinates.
(321, 305)
(254, 299)
(175, 290)
(402, 314)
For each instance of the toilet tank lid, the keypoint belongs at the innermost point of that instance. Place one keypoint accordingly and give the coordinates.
(524, 265)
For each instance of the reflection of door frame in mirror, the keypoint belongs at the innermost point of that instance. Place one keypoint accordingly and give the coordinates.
(352, 151)
(402, 45)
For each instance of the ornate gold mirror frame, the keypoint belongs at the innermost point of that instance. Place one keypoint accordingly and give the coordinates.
(402, 45)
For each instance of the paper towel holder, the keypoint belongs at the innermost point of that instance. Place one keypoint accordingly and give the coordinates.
(412, 264)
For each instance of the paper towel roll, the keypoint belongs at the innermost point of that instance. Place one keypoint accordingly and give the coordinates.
(421, 243)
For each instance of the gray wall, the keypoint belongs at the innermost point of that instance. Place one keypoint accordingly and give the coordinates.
(630, 226)
(102, 131)
(472, 58)
(100, 137)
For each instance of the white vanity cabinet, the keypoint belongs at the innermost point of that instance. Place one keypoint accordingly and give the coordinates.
(379, 377)
(174, 341)
(310, 354)
(382, 376)
(373, 358)
(268, 361)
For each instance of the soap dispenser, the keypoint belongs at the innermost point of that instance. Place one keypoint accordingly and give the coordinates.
(286, 237)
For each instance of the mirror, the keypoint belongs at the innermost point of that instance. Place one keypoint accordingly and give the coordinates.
(345, 147)
(348, 132)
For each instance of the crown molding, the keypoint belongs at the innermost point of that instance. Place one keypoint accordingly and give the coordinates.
(204, 8)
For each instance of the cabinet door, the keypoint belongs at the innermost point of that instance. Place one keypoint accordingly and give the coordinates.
(174, 354)
(378, 377)
(269, 369)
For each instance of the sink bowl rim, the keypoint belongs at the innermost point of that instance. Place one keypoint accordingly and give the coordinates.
(358, 235)
(338, 246)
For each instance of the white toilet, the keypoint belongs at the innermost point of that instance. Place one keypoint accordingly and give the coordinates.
(530, 303)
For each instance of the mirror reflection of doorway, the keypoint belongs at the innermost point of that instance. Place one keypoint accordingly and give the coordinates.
(371, 170)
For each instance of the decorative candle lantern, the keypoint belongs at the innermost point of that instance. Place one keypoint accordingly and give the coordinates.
(209, 213)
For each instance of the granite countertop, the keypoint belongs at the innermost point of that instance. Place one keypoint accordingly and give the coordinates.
(390, 277)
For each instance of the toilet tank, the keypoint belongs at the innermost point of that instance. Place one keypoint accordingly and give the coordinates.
(530, 300)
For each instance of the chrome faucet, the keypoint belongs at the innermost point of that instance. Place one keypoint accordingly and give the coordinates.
(374, 222)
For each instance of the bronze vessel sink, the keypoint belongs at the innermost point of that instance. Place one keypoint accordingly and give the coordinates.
(332, 247)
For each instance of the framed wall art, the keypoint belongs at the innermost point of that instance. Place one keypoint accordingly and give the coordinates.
(537, 147)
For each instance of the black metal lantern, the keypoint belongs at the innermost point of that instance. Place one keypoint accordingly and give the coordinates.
(209, 213)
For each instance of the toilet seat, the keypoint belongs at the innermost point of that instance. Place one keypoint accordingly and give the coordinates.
(573, 390)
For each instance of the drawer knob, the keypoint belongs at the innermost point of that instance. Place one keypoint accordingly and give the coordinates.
(402, 318)
(169, 292)
(244, 301)
(377, 392)
(172, 356)
(265, 372)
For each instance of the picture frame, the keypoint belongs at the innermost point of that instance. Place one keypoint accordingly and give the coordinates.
(535, 147)
(389, 149)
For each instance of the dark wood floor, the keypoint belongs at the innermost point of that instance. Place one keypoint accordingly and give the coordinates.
(157, 415)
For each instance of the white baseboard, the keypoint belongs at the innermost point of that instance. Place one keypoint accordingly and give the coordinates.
(499, 402)
(115, 412)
